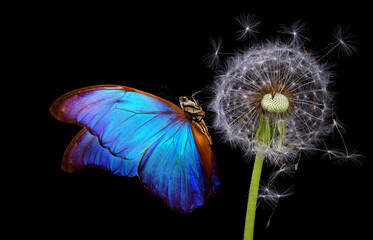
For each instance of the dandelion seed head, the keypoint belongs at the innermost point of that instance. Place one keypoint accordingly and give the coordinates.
(275, 78)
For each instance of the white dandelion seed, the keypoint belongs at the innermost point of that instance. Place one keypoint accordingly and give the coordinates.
(350, 158)
(248, 26)
(297, 30)
(284, 170)
(212, 59)
(269, 196)
(344, 41)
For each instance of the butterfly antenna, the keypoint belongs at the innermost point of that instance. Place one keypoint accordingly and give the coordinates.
(168, 93)
(207, 103)
(195, 93)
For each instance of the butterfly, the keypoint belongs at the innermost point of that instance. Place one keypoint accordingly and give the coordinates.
(133, 133)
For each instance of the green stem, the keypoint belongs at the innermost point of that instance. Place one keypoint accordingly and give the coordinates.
(268, 130)
(253, 196)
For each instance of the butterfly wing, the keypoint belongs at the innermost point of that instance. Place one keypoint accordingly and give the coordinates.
(175, 159)
(126, 121)
(177, 171)
(207, 157)
(85, 151)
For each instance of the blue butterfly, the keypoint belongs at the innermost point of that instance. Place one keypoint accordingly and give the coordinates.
(133, 133)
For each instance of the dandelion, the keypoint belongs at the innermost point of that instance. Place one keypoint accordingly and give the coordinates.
(274, 101)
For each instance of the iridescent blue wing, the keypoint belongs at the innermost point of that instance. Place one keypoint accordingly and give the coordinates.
(85, 151)
(140, 127)
(126, 121)
(175, 169)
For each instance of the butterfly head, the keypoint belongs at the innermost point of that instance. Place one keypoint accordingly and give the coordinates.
(191, 108)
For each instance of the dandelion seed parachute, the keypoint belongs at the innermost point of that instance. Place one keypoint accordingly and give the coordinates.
(338, 156)
(273, 68)
(344, 41)
(248, 25)
(297, 30)
(212, 59)
(269, 196)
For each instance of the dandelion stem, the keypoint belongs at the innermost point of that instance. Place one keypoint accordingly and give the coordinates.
(253, 196)
(269, 128)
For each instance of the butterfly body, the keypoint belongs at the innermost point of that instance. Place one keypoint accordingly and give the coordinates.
(196, 114)
(133, 133)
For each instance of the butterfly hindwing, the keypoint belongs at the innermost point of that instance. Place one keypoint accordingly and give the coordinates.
(85, 151)
(172, 169)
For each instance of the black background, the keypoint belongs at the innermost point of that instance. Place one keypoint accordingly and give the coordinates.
(147, 46)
